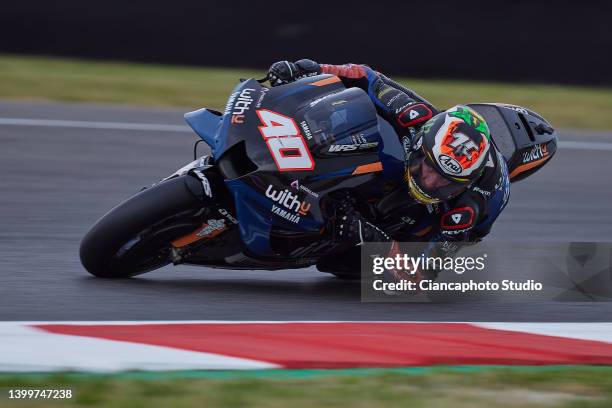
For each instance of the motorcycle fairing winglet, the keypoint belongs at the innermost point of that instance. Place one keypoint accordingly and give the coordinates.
(206, 123)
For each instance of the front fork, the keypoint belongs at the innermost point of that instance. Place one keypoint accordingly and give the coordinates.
(218, 211)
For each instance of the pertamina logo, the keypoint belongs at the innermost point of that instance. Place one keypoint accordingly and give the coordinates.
(290, 202)
(296, 185)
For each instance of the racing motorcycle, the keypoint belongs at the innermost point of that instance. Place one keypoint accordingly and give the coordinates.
(280, 159)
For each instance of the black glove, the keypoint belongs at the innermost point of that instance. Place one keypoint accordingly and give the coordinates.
(350, 226)
(284, 72)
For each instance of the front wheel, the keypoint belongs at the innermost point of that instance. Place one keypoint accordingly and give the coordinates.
(134, 237)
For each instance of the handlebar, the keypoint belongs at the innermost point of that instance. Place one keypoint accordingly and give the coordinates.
(261, 81)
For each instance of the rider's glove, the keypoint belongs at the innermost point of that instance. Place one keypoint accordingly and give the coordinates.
(350, 226)
(353, 228)
(284, 72)
(397, 275)
(402, 275)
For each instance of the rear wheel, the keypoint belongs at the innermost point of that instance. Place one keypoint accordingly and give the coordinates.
(135, 236)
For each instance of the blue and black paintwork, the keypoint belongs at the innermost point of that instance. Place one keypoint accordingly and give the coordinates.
(333, 115)
(244, 169)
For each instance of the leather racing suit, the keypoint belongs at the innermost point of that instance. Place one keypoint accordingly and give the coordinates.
(467, 217)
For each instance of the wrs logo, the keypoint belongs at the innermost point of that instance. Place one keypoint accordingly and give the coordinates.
(288, 200)
(351, 147)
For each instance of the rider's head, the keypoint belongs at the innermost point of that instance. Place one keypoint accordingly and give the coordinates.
(447, 155)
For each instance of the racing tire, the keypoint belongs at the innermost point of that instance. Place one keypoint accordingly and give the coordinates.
(134, 237)
(347, 276)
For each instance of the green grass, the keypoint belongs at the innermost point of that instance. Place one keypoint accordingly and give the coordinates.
(38, 78)
(587, 387)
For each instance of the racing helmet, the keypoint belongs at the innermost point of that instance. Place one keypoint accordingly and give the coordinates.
(447, 155)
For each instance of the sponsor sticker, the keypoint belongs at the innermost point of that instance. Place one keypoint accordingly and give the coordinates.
(537, 152)
(292, 217)
(287, 201)
(306, 129)
(205, 183)
(339, 148)
(211, 227)
(517, 109)
(481, 191)
(457, 220)
(239, 103)
(297, 186)
(261, 97)
(227, 215)
(449, 164)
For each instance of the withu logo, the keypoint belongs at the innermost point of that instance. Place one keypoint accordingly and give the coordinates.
(288, 200)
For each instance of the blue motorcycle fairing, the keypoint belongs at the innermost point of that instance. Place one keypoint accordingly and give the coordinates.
(341, 130)
(206, 123)
(253, 211)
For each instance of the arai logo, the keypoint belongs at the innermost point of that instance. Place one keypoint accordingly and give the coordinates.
(450, 164)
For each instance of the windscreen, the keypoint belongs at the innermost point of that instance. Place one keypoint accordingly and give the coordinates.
(341, 119)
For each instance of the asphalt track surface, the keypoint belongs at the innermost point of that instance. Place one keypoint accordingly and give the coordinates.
(57, 178)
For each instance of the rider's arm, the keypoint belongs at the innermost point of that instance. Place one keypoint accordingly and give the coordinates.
(351, 227)
(454, 228)
(457, 222)
(401, 107)
(469, 217)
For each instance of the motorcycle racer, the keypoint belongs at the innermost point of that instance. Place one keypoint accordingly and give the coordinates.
(451, 168)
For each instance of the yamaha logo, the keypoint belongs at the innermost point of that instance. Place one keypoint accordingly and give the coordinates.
(449, 164)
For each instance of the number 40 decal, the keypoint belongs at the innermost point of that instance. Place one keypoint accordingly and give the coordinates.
(285, 142)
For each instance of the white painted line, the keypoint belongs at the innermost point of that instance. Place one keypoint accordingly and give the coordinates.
(585, 145)
(28, 349)
(94, 125)
(576, 325)
(155, 322)
(582, 331)
(567, 144)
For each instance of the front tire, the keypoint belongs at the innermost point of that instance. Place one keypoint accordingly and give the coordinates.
(134, 237)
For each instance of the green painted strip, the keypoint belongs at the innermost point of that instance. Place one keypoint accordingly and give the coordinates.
(301, 373)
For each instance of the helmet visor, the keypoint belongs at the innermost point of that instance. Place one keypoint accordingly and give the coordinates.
(426, 184)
